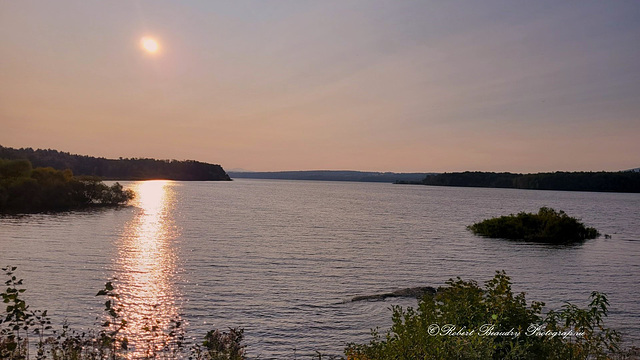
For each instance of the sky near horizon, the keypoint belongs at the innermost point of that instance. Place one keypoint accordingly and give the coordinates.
(405, 86)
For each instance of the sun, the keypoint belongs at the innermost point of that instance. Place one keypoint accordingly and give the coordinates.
(150, 45)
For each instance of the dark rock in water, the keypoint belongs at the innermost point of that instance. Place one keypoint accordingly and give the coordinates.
(416, 292)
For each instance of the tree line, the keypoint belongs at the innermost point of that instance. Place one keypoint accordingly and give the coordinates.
(118, 169)
(622, 181)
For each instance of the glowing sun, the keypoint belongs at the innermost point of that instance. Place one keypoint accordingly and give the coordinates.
(149, 45)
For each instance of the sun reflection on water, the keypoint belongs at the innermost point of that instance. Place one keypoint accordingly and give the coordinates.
(146, 267)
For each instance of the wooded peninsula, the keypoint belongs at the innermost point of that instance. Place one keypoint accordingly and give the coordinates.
(118, 169)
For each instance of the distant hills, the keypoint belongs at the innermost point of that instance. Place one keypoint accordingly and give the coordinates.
(621, 181)
(118, 169)
(332, 175)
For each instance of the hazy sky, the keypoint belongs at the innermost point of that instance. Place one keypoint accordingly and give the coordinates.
(393, 85)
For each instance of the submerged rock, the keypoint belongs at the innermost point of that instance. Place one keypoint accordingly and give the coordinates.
(416, 292)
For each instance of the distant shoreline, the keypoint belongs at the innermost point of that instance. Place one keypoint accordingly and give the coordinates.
(330, 175)
(620, 182)
(138, 169)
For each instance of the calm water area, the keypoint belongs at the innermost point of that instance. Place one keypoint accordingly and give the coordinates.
(281, 259)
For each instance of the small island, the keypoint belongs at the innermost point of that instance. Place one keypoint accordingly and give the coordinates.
(24, 189)
(547, 226)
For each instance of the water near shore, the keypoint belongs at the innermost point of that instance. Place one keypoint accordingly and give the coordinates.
(280, 258)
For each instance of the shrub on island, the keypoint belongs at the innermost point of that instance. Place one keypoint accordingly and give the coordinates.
(547, 226)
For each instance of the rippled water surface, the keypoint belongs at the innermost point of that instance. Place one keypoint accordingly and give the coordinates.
(280, 258)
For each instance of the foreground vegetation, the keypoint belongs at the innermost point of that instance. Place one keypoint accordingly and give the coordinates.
(621, 181)
(118, 169)
(548, 226)
(29, 334)
(460, 321)
(464, 321)
(25, 189)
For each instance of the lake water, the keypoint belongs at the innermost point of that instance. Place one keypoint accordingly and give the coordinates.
(281, 258)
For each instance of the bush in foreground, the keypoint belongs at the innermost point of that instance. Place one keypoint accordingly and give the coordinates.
(465, 321)
(548, 226)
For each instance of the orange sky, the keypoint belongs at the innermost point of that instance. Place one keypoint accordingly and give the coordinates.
(297, 85)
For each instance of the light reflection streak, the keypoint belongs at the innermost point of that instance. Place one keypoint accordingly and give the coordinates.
(146, 267)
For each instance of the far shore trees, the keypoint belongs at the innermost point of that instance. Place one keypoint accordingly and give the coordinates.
(621, 181)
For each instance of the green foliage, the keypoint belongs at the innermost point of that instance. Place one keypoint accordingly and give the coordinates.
(109, 337)
(464, 321)
(219, 345)
(23, 189)
(107, 342)
(17, 318)
(15, 168)
(548, 225)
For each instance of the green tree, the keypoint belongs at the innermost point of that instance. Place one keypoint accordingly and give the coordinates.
(24, 189)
